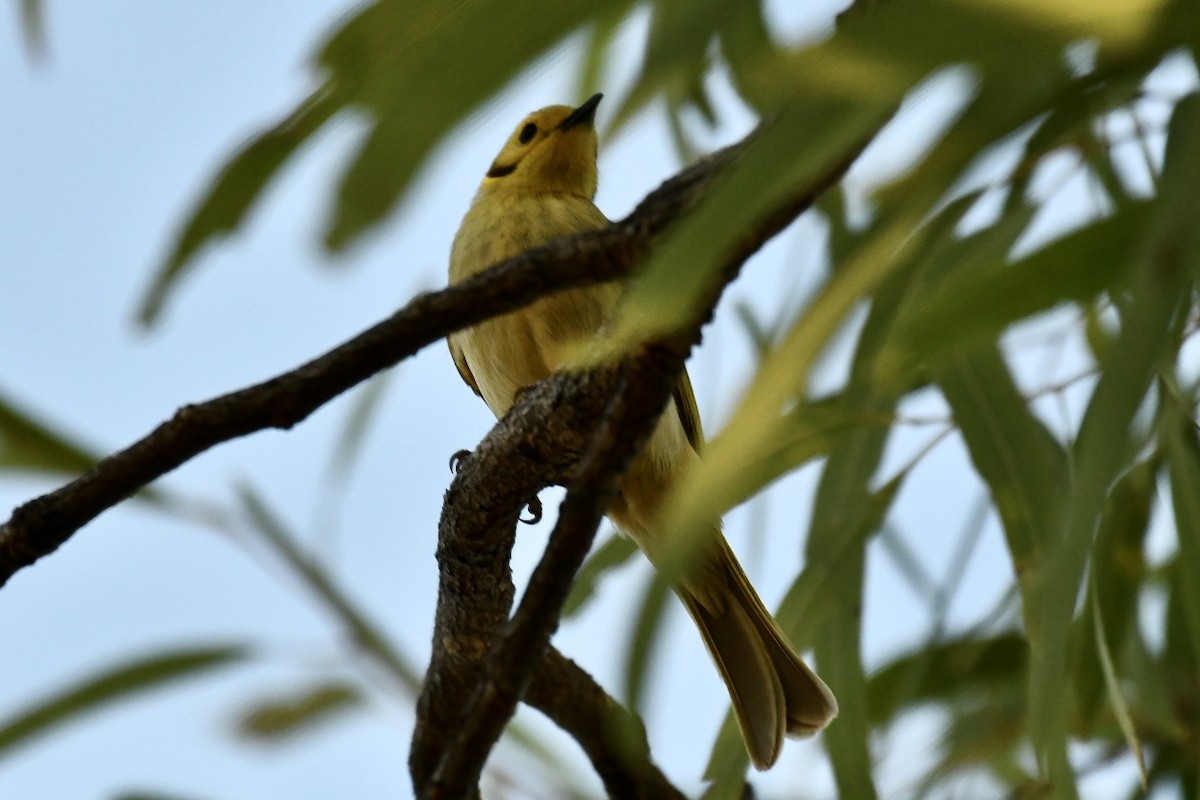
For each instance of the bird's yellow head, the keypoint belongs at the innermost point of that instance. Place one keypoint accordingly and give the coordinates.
(552, 151)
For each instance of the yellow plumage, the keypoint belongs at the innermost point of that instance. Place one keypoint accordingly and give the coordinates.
(541, 187)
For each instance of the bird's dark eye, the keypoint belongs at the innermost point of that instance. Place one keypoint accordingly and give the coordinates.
(527, 133)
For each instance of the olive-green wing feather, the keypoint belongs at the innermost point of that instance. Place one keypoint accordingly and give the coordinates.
(689, 414)
(460, 361)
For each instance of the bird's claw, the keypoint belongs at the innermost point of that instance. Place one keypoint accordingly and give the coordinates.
(535, 511)
(456, 460)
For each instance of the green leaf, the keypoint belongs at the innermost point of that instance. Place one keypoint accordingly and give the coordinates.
(837, 639)
(598, 52)
(746, 42)
(1103, 446)
(1149, 321)
(353, 434)
(1112, 684)
(950, 672)
(286, 716)
(719, 483)
(33, 27)
(666, 291)
(152, 795)
(1178, 189)
(986, 733)
(1072, 121)
(645, 637)
(29, 445)
(314, 577)
(225, 204)
(676, 58)
(972, 307)
(613, 554)
(125, 681)
(1183, 458)
(1022, 464)
(1118, 565)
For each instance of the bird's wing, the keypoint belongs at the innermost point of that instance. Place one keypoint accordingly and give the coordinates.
(460, 361)
(689, 414)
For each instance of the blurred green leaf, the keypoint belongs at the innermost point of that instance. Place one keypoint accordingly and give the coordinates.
(1154, 689)
(613, 554)
(665, 292)
(1072, 120)
(1118, 568)
(676, 57)
(746, 42)
(1149, 321)
(1099, 333)
(1112, 684)
(1102, 447)
(1183, 458)
(126, 681)
(761, 441)
(598, 52)
(1021, 463)
(1177, 668)
(1178, 240)
(719, 483)
(229, 198)
(29, 445)
(837, 639)
(758, 331)
(973, 306)
(314, 577)
(948, 672)
(645, 637)
(295, 712)
(907, 563)
(33, 27)
(986, 732)
(368, 400)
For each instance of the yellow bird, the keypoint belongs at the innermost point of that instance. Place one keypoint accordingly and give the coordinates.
(541, 187)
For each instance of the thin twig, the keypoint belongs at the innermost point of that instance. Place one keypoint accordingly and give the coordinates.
(613, 738)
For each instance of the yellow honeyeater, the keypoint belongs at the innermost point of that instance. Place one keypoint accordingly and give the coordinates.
(541, 187)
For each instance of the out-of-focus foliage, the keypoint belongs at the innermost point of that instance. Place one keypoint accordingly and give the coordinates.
(112, 685)
(33, 24)
(28, 445)
(1046, 80)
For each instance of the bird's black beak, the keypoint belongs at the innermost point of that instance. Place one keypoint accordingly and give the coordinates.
(584, 115)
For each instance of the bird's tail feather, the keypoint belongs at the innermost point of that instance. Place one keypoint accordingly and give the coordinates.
(774, 692)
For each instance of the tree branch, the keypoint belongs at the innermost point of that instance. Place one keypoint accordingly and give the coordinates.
(644, 384)
(613, 739)
(39, 526)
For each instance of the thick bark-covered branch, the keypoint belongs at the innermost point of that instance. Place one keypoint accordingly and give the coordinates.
(644, 384)
(38, 527)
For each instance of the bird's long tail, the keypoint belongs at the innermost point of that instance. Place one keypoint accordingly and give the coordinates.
(774, 692)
